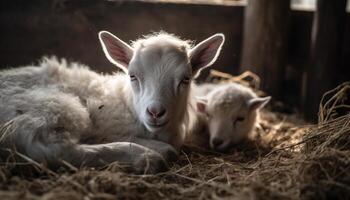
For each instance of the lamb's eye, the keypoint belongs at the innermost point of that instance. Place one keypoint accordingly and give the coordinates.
(208, 115)
(133, 78)
(186, 80)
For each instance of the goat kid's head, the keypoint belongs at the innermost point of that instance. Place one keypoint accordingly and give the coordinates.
(161, 68)
(231, 112)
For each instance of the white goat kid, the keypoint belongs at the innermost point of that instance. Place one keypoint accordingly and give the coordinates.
(61, 111)
(226, 114)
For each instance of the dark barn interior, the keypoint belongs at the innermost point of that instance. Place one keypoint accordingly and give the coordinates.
(69, 29)
(298, 54)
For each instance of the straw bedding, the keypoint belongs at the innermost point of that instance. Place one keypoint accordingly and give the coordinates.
(286, 159)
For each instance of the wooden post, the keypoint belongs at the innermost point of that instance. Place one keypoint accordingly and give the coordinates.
(327, 34)
(265, 41)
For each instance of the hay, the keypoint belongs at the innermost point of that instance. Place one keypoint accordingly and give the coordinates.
(286, 160)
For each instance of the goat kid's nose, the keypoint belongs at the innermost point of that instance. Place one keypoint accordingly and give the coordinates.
(156, 111)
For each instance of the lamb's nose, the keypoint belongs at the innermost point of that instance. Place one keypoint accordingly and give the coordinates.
(156, 111)
(217, 142)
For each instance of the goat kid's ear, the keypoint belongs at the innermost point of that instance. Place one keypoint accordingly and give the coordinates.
(258, 102)
(117, 51)
(205, 53)
(201, 105)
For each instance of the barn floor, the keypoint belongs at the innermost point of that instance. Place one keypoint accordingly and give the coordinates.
(286, 160)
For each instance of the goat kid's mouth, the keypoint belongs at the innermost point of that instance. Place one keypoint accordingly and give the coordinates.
(156, 125)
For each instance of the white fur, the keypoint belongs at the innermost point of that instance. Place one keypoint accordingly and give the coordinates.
(219, 110)
(61, 111)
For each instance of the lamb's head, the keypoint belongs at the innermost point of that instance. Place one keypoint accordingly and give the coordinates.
(231, 111)
(161, 68)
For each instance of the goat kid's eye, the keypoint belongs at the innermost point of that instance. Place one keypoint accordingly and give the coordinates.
(185, 80)
(133, 78)
(238, 119)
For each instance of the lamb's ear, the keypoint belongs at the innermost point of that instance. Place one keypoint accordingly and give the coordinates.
(201, 104)
(258, 102)
(205, 53)
(117, 51)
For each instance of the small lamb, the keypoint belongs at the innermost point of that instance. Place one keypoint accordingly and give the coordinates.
(225, 115)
